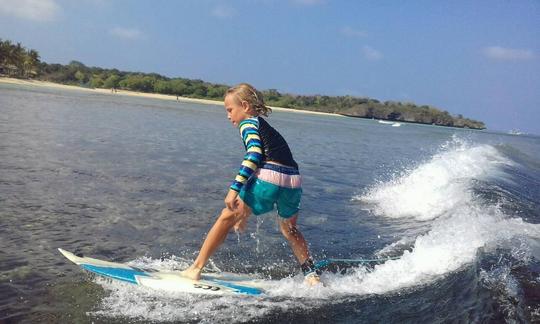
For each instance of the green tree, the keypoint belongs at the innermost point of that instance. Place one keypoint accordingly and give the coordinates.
(271, 95)
(96, 81)
(81, 77)
(111, 82)
(216, 92)
(163, 86)
(179, 87)
(13, 60)
(32, 63)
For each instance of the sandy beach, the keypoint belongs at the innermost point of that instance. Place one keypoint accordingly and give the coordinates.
(140, 94)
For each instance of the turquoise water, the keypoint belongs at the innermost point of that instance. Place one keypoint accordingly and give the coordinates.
(142, 180)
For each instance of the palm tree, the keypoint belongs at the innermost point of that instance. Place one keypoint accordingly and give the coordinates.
(11, 56)
(5, 50)
(16, 60)
(31, 63)
(18, 53)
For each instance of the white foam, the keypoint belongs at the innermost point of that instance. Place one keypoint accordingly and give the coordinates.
(438, 193)
(452, 243)
(135, 302)
(437, 186)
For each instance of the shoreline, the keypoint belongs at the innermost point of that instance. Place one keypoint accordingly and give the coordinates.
(48, 84)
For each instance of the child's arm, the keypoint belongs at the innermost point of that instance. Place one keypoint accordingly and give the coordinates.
(249, 129)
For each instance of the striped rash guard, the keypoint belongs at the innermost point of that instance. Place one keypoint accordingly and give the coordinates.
(263, 144)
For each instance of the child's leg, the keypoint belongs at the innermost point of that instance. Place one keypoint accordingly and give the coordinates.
(299, 246)
(215, 237)
(296, 239)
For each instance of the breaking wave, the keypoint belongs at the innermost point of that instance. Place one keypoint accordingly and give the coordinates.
(440, 192)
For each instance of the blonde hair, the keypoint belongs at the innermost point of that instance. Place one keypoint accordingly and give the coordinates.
(246, 92)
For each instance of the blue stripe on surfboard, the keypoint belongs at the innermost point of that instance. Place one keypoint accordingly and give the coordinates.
(238, 288)
(128, 275)
(116, 273)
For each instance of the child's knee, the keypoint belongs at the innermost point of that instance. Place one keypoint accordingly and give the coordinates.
(288, 230)
(228, 217)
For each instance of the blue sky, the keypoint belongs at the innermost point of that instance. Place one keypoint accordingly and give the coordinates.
(476, 58)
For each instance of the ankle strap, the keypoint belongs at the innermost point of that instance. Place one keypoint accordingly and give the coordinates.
(308, 268)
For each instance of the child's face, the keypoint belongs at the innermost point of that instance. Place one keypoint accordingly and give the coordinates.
(236, 110)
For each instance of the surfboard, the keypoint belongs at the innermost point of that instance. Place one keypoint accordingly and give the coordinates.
(215, 284)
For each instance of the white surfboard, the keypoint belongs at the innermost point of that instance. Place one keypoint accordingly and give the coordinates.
(217, 284)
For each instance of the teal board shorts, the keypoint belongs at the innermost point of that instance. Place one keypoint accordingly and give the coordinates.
(273, 185)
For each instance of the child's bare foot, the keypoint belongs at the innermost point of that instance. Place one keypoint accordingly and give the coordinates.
(312, 279)
(192, 272)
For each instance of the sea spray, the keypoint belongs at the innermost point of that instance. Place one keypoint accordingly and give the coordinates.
(439, 193)
(453, 242)
(437, 186)
(442, 186)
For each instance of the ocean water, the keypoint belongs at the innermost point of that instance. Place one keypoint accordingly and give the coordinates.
(141, 181)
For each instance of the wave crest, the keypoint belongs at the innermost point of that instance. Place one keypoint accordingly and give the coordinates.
(437, 186)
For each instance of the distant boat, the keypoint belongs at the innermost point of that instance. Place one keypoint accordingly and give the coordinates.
(394, 124)
(515, 132)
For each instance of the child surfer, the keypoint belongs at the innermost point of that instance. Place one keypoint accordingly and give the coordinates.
(268, 175)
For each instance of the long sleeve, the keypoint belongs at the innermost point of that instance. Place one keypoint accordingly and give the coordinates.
(249, 130)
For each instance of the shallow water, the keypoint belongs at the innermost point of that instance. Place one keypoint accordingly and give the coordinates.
(141, 181)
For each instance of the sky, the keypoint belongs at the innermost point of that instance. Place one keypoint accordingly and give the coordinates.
(478, 58)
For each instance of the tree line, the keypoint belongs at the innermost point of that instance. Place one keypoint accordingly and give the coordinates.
(16, 61)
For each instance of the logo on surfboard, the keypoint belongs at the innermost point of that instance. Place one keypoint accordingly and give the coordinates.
(206, 287)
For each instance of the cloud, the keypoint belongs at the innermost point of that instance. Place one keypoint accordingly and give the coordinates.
(34, 10)
(508, 54)
(371, 54)
(126, 33)
(223, 12)
(348, 31)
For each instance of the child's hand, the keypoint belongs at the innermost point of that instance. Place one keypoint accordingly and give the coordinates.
(230, 200)
(243, 213)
